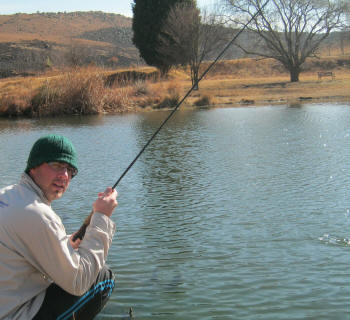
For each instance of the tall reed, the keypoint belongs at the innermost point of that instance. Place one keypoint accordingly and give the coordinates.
(80, 91)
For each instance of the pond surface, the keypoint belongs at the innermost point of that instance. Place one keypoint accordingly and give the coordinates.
(235, 213)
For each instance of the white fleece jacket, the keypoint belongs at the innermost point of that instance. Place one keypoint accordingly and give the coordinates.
(35, 251)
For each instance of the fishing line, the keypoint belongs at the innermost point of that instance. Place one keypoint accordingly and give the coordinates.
(81, 232)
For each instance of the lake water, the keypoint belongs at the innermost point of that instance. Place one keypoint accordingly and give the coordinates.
(235, 213)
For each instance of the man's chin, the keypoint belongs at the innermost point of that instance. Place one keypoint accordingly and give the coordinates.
(57, 194)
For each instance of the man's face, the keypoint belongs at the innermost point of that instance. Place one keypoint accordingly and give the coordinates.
(53, 179)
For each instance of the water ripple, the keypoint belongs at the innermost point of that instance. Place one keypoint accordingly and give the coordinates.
(221, 217)
(329, 239)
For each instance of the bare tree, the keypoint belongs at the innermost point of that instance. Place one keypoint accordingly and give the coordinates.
(343, 40)
(289, 31)
(78, 54)
(189, 36)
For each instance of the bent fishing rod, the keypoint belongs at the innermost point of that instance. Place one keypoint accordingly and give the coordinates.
(81, 232)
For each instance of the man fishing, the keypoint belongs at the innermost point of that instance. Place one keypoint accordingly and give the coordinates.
(44, 274)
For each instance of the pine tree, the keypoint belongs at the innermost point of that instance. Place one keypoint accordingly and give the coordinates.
(149, 16)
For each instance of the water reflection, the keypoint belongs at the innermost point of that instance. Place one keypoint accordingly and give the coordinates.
(295, 105)
(169, 164)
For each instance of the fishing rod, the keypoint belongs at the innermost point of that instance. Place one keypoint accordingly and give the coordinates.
(81, 232)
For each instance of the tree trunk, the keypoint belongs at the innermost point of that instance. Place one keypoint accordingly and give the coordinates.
(294, 75)
(194, 76)
(163, 70)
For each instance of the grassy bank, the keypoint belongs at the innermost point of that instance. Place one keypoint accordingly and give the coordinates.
(239, 82)
(248, 81)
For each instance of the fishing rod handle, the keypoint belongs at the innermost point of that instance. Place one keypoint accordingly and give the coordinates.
(81, 232)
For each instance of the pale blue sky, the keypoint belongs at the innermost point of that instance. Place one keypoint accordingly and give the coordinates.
(112, 6)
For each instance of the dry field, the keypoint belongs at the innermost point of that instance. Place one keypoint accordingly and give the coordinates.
(238, 82)
(276, 89)
(261, 82)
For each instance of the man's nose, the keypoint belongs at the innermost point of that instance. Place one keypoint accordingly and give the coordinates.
(63, 171)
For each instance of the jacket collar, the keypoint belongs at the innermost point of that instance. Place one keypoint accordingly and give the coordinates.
(29, 183)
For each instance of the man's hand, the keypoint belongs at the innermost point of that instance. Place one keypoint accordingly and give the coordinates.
(75, 244)
(106, 202)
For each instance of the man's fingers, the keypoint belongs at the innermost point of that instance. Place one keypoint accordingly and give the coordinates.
(75, 244)
(109, 191)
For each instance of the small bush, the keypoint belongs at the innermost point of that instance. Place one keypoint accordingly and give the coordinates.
(173, 89)
(14, 106)
(169, 102)
(343, 63)
(205, 100)
(43, 101)
(80, 92)
(117, 100)
(141, 88)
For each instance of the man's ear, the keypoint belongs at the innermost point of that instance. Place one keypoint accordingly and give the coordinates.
(32, 172)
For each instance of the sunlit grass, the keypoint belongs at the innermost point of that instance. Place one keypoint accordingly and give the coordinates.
(236, 82)
(275, 89)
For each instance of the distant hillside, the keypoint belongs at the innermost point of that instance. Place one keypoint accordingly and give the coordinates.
(32, 42)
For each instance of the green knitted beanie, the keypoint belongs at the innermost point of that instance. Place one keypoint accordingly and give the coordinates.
(52, 148)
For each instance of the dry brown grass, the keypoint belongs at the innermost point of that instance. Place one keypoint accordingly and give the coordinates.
(162, 94)
(83, 91)
(240, 82)
(80, 91)
(259, 82)
(275, 89)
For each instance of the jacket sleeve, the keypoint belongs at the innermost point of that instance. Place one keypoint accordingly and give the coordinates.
(49, 250)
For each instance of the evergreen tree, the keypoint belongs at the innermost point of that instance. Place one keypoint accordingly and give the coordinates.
(149, 16)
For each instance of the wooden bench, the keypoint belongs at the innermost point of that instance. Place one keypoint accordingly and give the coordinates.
(322, 74)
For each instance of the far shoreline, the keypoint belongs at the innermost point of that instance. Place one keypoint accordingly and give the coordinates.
(88, 91)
